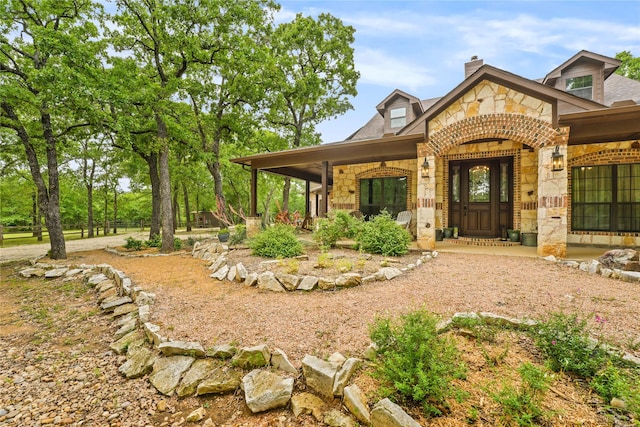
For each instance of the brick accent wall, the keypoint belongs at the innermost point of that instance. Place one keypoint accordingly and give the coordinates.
(515, 127)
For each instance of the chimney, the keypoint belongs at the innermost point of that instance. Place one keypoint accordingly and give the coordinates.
(472, 66)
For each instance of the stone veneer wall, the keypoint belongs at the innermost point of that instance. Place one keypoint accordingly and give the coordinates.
(594, 155)
(346, 181)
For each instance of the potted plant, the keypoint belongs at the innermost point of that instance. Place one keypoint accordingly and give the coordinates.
(514, 235)
(448, 232)
(223, 234)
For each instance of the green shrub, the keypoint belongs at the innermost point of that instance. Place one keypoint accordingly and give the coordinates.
(154, 242)
(279, 241)
(177, 244)
(338, 225)
(416, 363)
(565, 341)
(612, 381)
(239, 235)
(383, 236)
(134, 244)
(522, 405)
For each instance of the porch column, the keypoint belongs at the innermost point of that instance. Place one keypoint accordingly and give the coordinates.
(426, 201)
(253, 222)
(553, 199)
(324, 204)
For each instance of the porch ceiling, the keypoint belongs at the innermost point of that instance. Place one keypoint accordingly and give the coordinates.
(611, 124)
(306, 163)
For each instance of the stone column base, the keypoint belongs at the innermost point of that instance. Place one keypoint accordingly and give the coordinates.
(254, 225)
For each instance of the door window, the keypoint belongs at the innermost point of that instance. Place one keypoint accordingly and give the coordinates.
(479, 184)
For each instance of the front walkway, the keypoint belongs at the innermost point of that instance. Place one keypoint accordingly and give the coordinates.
(573, 252)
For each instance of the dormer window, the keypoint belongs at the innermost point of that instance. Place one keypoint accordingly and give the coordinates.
(398, 117)
(580, 86)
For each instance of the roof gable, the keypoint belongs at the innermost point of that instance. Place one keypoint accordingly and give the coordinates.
(509, 80)
(413, 101)
(609, 65)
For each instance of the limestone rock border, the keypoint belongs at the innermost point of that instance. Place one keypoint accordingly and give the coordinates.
(217, 257)
(186, 368)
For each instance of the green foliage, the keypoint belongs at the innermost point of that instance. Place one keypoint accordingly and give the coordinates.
(338, 225)
(612, 381)
(177, 244)
(239, 235)
(630, 66)
(134, 244)
(416, 363)
(522, 405)
(565, 341)
(383, 236)
(154, 242)
(279, 241)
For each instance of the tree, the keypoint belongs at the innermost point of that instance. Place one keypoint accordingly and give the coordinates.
(168, 38)
(313, 77)
(630, 66)
(49, 57)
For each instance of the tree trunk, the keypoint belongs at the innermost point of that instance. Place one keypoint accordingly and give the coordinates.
(115, 210)
(285, 194)
(34, 215)
(175, 209)
(166, 217)
(90, 211)
(186, 206)
(154, 177)
(105, 225)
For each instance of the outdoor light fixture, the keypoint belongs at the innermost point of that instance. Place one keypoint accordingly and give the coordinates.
(425, 168)
(557, 160)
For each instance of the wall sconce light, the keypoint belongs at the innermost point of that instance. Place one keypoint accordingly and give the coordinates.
(557, 160)
(425, 168)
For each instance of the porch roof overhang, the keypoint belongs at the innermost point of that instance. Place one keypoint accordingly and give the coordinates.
(306, 163)
(604, 125)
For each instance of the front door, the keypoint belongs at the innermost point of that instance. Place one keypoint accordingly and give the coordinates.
(480, 197)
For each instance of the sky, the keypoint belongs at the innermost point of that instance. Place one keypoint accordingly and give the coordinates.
(421, 46)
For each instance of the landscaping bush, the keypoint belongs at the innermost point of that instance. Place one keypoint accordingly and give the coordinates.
(521, 405)
(239, 235)
(177, 244)
(154, 242)
(615, 382)
(383, 236)
(338, 225)
(134, 244)
(416, 364)
(565, 341)
(279, 241)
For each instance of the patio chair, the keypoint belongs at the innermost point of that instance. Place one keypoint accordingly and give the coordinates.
(404, 219)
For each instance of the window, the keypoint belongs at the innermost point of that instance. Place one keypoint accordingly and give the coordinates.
(377, 194)
(606, 198)
(398, 117)
(580, 86)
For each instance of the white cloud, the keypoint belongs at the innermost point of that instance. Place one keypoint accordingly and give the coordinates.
(381, 68)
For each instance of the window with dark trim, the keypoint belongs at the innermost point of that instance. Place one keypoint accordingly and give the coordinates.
(606, 198)
(580, 86)
(378, 194)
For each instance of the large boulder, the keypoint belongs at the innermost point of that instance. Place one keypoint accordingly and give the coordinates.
(268, 281)
(622, 259)
(200, 370)
(265, 390)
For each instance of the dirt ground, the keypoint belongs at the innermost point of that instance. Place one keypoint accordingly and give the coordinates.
(193, 306)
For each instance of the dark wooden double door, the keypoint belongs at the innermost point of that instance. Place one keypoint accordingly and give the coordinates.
(480, 197)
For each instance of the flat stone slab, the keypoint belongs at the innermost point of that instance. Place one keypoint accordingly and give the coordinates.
(139, 364)
(319, 375)
(181, 348)
(111, 305)
(387, 414)
(167, 372)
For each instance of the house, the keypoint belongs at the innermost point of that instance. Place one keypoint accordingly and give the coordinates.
(559, 157)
